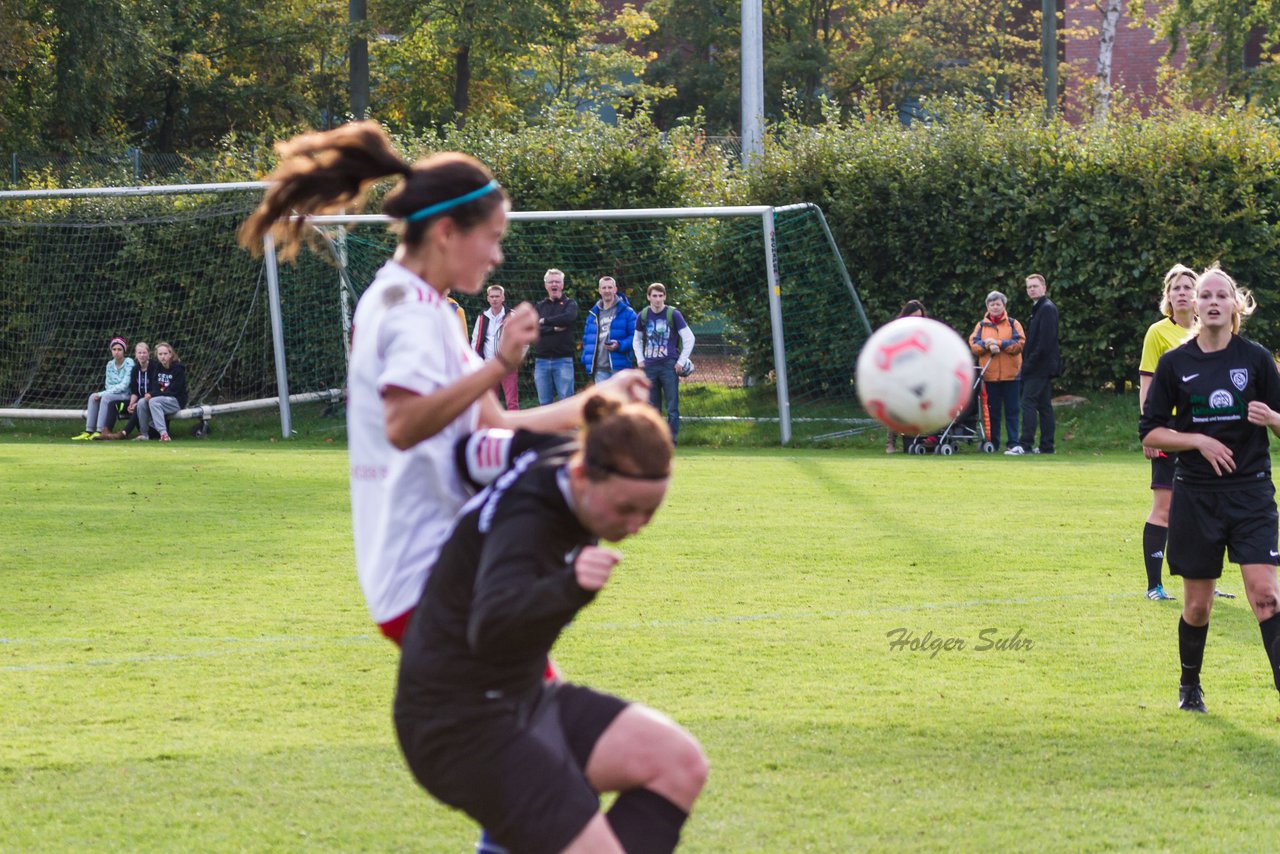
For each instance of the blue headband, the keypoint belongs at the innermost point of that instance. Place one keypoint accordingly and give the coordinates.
(449, 204)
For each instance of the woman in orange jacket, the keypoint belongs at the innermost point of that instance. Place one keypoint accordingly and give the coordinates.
(997, 342)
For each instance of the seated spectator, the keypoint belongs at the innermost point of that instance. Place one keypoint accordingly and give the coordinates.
(142, 381)
(170, 394)
(114, 390)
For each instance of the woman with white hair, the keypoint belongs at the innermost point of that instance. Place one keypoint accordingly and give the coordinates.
(997, 342)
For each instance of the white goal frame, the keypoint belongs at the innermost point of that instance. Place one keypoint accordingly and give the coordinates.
(765, 214)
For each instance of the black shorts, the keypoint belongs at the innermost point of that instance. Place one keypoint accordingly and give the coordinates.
(1204, 522)
(1162, 472)
(518, 770)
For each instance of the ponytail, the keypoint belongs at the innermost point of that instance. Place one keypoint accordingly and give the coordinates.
(329, 172)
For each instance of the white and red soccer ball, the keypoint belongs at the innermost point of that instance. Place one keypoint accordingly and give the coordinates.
(915, 375)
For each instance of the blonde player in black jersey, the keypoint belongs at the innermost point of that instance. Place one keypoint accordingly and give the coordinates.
(1212, 400)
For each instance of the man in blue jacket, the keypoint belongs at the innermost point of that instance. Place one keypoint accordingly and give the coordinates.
(611, 326)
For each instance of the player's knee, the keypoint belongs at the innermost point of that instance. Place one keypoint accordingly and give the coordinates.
(1196, 613)
(684, 769)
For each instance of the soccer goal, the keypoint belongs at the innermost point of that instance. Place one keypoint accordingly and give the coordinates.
(777, 317)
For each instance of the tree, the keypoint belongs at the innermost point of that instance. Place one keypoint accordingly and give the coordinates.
(26, 79)
(1106, 43)
(1218, 36)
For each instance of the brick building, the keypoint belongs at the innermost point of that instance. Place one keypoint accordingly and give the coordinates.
(1135, 58)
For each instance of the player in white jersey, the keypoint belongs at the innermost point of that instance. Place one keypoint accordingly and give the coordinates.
(414, 386)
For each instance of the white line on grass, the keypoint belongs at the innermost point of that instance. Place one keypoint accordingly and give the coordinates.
(243, 645)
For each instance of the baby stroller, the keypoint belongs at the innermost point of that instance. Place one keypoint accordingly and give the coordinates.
(972, 425)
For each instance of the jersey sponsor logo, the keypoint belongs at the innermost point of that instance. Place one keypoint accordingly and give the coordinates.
(1189, 377)
(1240, 378)
(1220, 405)
(1221, 399)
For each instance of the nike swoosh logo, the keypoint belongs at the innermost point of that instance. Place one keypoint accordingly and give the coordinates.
(1189, 378)
(1275, 553)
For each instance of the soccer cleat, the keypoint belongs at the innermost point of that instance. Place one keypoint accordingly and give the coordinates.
(164, 437)
(1157, 594)
(1222, 594)
(1015, 451)
(1191, 698)
(83, 437)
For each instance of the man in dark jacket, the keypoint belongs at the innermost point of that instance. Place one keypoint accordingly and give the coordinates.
(553, 362)
(1041, 362)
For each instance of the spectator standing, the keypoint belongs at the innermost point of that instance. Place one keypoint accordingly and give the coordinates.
(1041, 362)
(169, 396)
(553, 362)
(658, 327)
(611, 326)
(997, 342)
(115, 390)
(486, 337)
(462, 314)
(911, 308)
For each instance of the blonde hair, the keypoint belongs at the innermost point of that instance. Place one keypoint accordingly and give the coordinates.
(1177, 271)
(1243, 303)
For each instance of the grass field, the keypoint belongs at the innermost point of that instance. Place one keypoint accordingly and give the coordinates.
(185, 664)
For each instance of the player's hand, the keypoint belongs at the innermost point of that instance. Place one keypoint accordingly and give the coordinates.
(519, 331)
(1151, 453)
(1261, 414)
(1218, 454)
(594, 565)
(994, 347)
(611, 345)
(632, 384)
(97, 396)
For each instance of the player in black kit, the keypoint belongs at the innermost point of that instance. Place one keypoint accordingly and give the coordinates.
(1226, 391)
(480, 728)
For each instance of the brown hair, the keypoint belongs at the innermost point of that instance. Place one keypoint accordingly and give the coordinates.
(328, 172)
(656, 286)
(623, 439)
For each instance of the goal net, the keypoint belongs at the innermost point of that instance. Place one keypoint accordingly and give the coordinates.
(777, 319)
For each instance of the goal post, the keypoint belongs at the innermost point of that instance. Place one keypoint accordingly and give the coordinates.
(776, 314)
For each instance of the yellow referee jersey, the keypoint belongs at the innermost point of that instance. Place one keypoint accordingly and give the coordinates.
(1162, 336)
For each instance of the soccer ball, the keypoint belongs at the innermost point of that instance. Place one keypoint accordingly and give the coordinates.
(685, 371)
(914, 375)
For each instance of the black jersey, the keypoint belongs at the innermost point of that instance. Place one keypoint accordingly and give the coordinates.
(1211, 393)
(500, 593)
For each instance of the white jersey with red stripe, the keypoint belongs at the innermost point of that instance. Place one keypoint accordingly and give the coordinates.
(403, 503)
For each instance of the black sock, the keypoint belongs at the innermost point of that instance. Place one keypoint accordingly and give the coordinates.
(1271, 642)
(646, 822)
(1153, 540)
(1191, 650)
